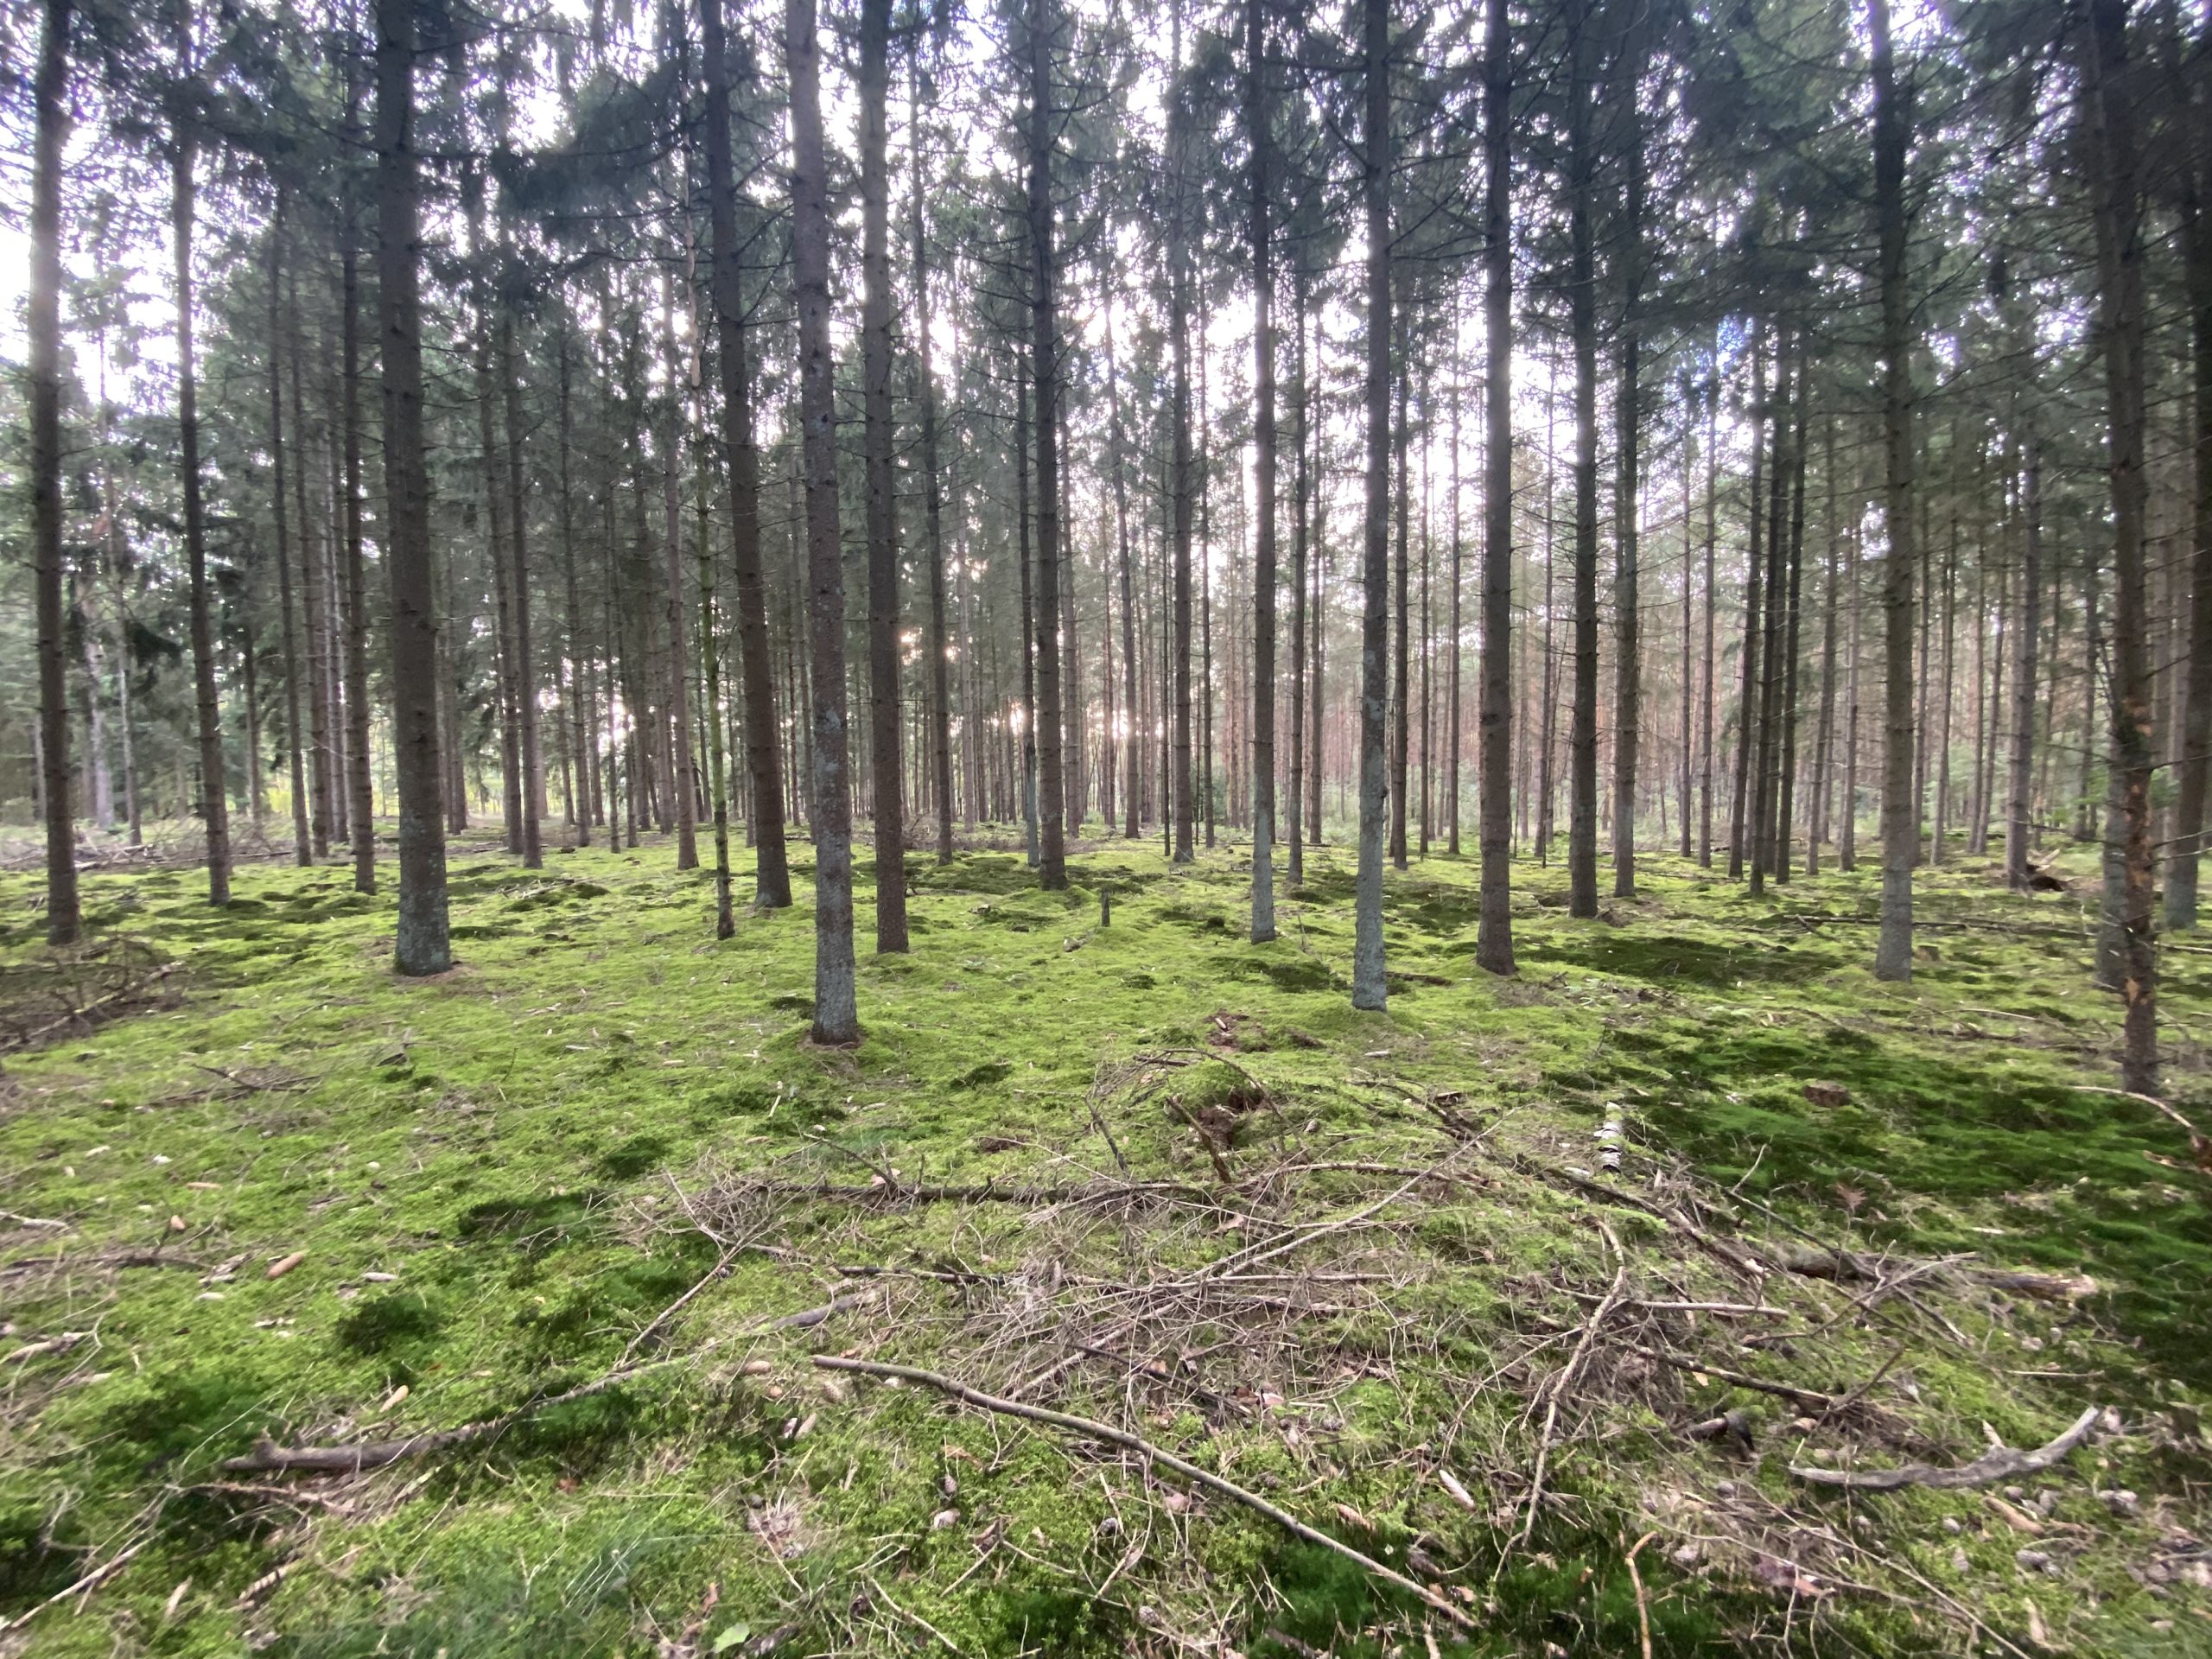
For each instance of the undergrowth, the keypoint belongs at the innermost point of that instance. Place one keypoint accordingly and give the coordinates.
(498, 1182)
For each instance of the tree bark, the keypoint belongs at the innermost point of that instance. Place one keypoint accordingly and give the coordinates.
(881, 510)
(303, 842)
(423, 944)
(1494, 932)
(2115, 193)
(763, 740)
(359, 784)
(1369, 982)
(1900, 810)
(1259, 115)
(933, 489)
(214, 797)
(837, 1019)
(51, 96)
(1051, 870)
(1628, 666)
(1582, 312)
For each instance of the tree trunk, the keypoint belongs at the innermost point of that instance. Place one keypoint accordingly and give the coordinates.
(1260, 114)
(323, 774)
(359, 784)
(531, 780)
(2115, 193)
(1582, 309)
(836, 1020)
(1900, 811)
(1369, 980)
(1628, 668)
(932, 484)
(1494, 933)
(2196, 716)
(302, 842)
(763, 739)
(51, 96)
(1401, 635)
(214, 797)
(1044, 348)
(1180, 481)
(1705, 752)
(422, 945)
(881, 511)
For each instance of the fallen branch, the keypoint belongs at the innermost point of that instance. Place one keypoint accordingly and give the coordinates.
(1564, 1380)
(885, 1191)
(61, 1345)
(1097, 1431)
(2003, 1464)
(83, 1586)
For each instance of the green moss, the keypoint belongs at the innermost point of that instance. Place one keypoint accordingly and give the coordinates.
(509, 1148)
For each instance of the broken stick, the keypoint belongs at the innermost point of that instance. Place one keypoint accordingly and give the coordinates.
(2003, 1464)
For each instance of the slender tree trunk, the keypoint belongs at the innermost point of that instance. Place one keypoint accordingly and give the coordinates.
(1705, 752)
(1045, 346)
(1688, 752)
(313, 600)
(837, 1019)
(1401, 635)
(1260, 113)
(1494, 932)
(2019, 807)
(1369, 980)
(933, 489)
(303, 843)
(1900, 811)
(881, 513)
(1628, 667)
(2115, 189)
(1847, 840)
(763, 739)
(1824, 732)
(530, 781)
(360, 784)
(2196, 716)
(1754, 604)
(1785, 816)
(1454, 696)
(422, 945)
(1582, 307)
(214, 796)
(1031, 837)
(1315, 706)
(51, 96)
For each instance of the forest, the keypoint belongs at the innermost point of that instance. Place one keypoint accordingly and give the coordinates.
(1040, 827)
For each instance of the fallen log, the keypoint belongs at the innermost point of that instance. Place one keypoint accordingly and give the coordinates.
(2003, 1464)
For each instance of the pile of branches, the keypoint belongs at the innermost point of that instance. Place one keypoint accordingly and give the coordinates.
(58, 994)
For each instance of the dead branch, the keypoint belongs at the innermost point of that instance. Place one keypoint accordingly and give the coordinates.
(2003, 1464)
(84, 1586)
(1560, 1385)
(1091, 1429)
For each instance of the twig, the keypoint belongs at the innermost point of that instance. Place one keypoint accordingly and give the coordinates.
(84, 1586)
(729, 1255)
(1091, 1429)
(1643, 1612)
(2003, 1464)
(1561, 1383)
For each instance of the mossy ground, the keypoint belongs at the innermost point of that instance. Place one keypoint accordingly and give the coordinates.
(496, 1179)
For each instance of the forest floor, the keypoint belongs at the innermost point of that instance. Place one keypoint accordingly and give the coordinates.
(594, 1201)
